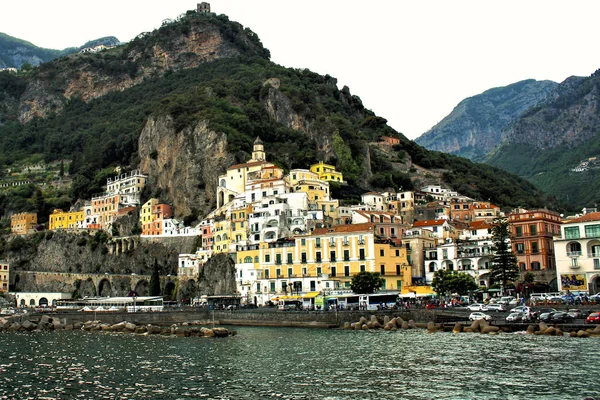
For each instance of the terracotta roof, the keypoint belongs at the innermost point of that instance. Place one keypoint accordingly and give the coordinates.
(248, 164)
(595, 216)
(479, 225)
(350, 228)
(429, 222)
(369, 213)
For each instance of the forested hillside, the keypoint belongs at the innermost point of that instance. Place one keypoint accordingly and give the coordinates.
(301, 116)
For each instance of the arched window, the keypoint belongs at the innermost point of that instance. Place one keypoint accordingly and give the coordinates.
(255, 259)
(248, 259)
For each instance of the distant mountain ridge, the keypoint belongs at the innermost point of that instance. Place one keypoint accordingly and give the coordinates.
(476, 124)
(545, 132)
(15, 52)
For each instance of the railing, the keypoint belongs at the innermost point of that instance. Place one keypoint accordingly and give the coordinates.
(573, 253)
(593, 255)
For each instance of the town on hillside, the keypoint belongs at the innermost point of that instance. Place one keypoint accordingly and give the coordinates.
(290, 239)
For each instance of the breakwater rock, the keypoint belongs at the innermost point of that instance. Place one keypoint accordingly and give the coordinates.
(47, 323)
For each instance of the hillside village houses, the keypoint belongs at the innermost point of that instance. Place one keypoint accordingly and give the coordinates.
(287, 235)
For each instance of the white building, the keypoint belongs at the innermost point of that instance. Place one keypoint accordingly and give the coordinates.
(578, 254)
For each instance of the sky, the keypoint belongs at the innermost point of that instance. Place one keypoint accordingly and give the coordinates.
(410, 62)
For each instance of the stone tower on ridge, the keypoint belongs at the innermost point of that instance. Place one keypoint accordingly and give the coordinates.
(203, 7)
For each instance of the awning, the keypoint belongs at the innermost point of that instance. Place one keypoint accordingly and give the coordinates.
(290, 297)
(311, 295)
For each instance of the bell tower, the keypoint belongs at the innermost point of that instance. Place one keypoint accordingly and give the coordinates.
(258, 151)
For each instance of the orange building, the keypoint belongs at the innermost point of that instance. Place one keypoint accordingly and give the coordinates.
(23, 223)
(532, 238)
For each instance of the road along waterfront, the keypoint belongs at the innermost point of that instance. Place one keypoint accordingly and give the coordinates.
(297, 363)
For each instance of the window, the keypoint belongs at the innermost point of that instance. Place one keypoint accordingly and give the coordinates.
(346, 270)
(382, 252)
(289, 258)
(534, 248)
(278, 259)
(592, 231)
(290, 272)
(382, 269)
(574, 263)
(248, 259)
(278, 272)
(596, 263)
(266, 274)
(397, 253)
(535, 266)
(319, 271)
(303, 257)
(363, 268)
(256, 259)
(257, 287)
(272, 287)
(346, 255)
(572, 232)
(332, 255)
(518, 231)
(520, 248)
(333, 271)
(398, 285)
(303, 242)
(398, 269)
(318, 255)
(267, 258)
(318, 242)
(532, 230)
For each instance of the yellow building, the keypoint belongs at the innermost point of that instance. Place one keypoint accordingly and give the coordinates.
(327, 172)
(4, 276)
(333, 256)
(222, 235)
(239, 224)
(23, 223)
(60, 219)
(146, 216)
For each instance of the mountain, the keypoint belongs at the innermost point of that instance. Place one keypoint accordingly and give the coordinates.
(16, 52)
(476, 124)
(556, 144)
(184, 102)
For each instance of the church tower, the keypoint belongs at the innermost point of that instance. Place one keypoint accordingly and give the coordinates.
(258, 152)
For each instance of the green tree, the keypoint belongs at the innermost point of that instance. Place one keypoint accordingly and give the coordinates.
(448, 282)
(504, 268)
(154, 285)
(366, 282)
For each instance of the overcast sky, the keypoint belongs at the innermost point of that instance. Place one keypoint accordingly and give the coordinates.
(410, 62)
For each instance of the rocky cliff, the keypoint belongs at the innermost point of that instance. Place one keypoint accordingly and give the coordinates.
(477, 124)
(571, 116)
(183, 166)
(69, 253)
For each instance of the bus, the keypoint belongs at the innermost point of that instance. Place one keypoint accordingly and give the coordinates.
(378, 301)
(290, 304)
(374, 301)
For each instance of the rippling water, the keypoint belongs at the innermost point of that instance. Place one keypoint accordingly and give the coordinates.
(262, 363)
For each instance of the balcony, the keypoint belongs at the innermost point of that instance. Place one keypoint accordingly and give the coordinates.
(573, 253)
(593, 255)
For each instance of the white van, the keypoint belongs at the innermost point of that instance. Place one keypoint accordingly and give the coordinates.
(538, 296)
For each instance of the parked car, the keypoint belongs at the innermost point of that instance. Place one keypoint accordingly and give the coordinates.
(593, 318)
(505, 300)
(555, 299)
(546, 316)
(521, 309)
(496, 307)
(538, 296)
(575, 313)
(516, 317)
(561, 316)
(594, 298)
(477, 307)
(479, 315)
